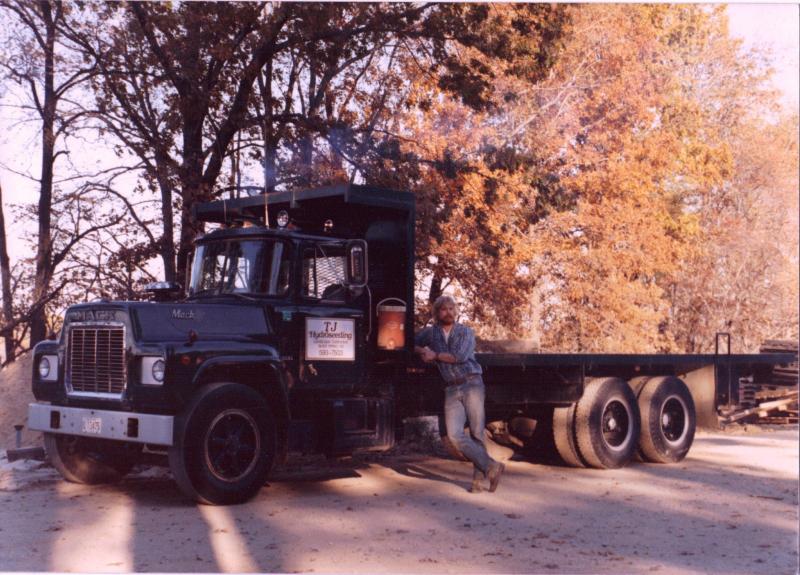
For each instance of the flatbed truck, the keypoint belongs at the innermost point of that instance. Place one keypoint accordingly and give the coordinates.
(295, 332)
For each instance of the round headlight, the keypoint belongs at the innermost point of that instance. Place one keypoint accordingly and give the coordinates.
(44, 367)
(158, 370)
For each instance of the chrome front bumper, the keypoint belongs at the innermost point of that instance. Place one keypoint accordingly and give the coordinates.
(118, 425)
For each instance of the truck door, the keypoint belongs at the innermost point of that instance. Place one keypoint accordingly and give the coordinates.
(332, 366)
(332, 345)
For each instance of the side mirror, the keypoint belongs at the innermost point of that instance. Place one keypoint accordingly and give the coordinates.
(356, 273)
(164, 291)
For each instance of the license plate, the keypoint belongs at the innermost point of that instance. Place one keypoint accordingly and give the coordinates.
(93, 425)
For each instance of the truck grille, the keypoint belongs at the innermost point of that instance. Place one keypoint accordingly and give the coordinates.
(96, 359)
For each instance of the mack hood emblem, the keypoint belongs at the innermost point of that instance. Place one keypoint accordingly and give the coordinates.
(178, 313)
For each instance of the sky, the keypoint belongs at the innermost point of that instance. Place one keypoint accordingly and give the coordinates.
(775, 26)
(772, 26)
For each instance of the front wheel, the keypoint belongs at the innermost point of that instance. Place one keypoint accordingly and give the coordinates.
(225, 445)
(89, 460)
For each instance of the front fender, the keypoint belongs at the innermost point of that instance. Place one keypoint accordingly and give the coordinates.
(265, 373)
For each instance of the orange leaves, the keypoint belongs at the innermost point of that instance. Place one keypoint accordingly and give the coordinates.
(615, 194)
(601, 277)
(744, 276)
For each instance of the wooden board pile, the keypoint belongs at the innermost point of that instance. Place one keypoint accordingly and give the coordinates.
(773, 401)
(772, 407)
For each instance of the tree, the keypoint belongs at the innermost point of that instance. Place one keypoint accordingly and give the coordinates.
(581, 171)
(5, 282)
(42, 64)
(603, 160)
(473, 208)
(188, 73)
(177, 83)
(741, 274)
(474, 200)
(639, 128)
(742, 279)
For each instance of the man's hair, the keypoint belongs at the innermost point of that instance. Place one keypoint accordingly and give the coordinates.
(439, 302)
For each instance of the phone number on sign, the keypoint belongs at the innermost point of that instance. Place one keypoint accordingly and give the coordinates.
(331, 353)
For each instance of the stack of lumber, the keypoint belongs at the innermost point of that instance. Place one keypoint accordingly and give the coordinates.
(771, 401)
(772, 407)
(782, 375)
(748, 390)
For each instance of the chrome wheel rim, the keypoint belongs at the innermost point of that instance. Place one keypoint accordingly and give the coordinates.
(673, 419)
(616, 424)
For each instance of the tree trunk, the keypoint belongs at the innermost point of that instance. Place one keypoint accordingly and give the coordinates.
(193, 188)
(268, 131)
(436, 288)
(44, 256)
(5, 279)
(306, 160)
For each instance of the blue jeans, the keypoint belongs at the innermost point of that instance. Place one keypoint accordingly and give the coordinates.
(464, 403)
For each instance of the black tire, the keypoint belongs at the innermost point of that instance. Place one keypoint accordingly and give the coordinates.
(88, 460)
(225, 445)
(607, 424)
(564, 435)
(668, 420)
(636, 384)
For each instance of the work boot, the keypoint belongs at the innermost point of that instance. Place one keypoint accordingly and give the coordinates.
(495, 471)
(477, 475)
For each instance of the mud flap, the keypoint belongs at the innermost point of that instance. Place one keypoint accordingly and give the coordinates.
(702, 384)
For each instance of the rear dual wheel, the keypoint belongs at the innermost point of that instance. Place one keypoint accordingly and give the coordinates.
(668, 420)
(564, 435)
(602, 429)
(654, 416)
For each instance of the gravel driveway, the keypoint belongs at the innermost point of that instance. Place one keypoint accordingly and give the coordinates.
(730, 507)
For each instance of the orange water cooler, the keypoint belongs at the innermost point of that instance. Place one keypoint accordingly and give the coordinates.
(391, 323)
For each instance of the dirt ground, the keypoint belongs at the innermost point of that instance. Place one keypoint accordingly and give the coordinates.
(731, 507)
(15, 395)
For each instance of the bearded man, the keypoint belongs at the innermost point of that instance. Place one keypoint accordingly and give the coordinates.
(451, 346)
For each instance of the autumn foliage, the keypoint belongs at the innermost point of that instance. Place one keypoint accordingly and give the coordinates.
(623, 202)
(591, 177)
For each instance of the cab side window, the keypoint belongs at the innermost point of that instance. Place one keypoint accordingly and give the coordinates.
(323, 272)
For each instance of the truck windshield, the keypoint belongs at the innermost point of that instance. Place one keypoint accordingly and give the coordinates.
(241, 266)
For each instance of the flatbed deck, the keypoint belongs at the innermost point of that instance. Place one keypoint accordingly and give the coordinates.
(600, 359)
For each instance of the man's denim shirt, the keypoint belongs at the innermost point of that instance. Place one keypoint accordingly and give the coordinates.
(461, 344)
